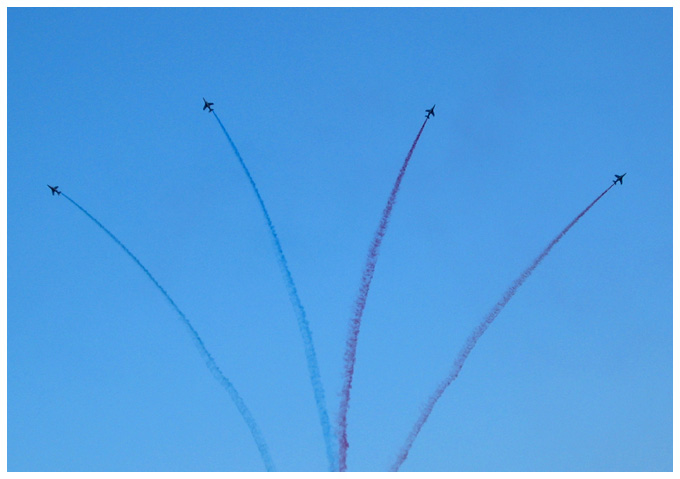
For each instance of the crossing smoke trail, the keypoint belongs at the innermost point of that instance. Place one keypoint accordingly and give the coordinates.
(476, 334)
(303, 323)
(209, 361)
(360, 303)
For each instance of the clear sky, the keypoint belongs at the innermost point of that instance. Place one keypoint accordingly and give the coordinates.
(537, 109)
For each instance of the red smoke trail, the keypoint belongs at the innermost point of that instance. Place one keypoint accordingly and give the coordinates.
(476, 334)
(360, 303)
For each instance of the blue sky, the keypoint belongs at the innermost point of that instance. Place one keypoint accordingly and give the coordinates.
(536, 111)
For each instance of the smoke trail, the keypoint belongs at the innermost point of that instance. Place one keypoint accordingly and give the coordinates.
(303, 323)
(360, 303)
(209, 361)
(476, 334)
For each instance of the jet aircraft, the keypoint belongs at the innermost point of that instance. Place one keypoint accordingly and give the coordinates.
(619, 178)
(207, 105)
(54, 190)
(430, 112)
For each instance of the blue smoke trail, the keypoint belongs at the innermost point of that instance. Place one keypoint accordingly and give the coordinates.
(209, 360)
(303, 324)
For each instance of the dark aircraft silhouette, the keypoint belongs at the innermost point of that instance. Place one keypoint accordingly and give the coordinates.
(54, 190)
(430, 112)
(207, 105)
(619, 178)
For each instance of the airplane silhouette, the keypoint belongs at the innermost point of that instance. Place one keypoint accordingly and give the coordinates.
(430, 112)
(619, 178)
(54, 190)
(207, 105)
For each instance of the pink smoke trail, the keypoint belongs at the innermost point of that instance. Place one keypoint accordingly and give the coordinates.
(360, 303)
(476, 334)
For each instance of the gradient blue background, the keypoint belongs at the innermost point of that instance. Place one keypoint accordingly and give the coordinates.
(536, 110)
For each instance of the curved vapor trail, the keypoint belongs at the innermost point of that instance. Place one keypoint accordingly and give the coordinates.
(360, 303)
(209, 360)
(303, 323)
(476, 334)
